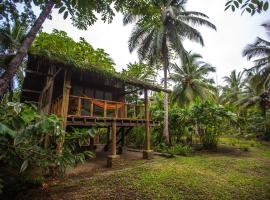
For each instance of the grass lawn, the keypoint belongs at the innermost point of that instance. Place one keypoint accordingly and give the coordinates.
(229, 173)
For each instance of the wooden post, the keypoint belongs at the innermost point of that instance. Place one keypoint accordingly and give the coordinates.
(114, 138)
(92, 108)
(126, 111)
(105, 109)
(79, 108)
(65, 103)
(111, 158)
(147, 153)
(116, 111)
(134, 111)
(64, 108)
(147, 121)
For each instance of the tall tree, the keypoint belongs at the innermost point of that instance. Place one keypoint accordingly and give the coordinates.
(82, 14)
(159, 33)
(191, 80)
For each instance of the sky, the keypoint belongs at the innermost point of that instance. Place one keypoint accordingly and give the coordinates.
(223, 48)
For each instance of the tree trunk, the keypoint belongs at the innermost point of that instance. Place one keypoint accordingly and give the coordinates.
(166, 109)
(22, 51)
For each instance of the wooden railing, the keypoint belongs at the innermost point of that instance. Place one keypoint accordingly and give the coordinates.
(85, 106)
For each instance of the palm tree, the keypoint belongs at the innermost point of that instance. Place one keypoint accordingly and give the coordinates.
(191, 80)
(260, 48)
(157, 36)
(234, 85)
(252, 91)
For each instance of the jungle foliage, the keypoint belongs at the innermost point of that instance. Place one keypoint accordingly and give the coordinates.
(58, 45)
(23, 139)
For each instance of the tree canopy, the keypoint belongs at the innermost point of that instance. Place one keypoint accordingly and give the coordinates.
(58, 45)
(250, 6)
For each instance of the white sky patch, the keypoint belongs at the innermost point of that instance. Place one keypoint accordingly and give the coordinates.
(223, 48)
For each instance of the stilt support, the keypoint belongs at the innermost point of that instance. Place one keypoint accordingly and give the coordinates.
(147, 153)
(111, 159)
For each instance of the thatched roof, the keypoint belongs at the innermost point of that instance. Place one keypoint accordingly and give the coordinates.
(36, 59)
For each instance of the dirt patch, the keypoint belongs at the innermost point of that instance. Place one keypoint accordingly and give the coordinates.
(225, 150)
(60, 188)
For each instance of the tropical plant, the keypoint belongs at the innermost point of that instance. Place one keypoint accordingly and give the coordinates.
(22, 140)
(191, 80)
(174, 150)
(159, 33)
(211, 121)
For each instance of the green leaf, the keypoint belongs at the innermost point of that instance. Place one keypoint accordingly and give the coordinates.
(265, 6)
(240, 1)
(6, 130)
(251, 6)
(236, 4)
(227, 7)
(62, 9)
(73, 3)
(228, 3)
(248, 10)
(233, 8)
(24, 166)
(65, 14)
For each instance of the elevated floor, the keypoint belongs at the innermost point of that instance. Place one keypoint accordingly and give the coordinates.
(87, 121)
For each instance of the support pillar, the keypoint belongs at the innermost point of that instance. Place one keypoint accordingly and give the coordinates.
(122, 141)
(147, 153)
(111, 158)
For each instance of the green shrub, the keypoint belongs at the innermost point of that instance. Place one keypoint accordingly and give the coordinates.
(174, 150)
(244, 147)
(24, 136)
(211, 120)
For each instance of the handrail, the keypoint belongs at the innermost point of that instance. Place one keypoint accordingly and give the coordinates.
(89, 98)
(122, 108)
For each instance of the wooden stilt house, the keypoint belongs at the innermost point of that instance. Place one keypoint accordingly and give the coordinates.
(88, 97)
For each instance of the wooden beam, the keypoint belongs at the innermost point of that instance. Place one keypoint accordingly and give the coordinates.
(56, 73)
(36, 73)
(31, 91)
(129, 92)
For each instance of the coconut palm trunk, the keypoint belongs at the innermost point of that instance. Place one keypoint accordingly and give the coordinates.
(166, 109)
(22, 51)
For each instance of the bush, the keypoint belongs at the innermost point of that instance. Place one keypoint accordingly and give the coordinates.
(211, 120)
(174, 150)
(29, 138)
(244, 147)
